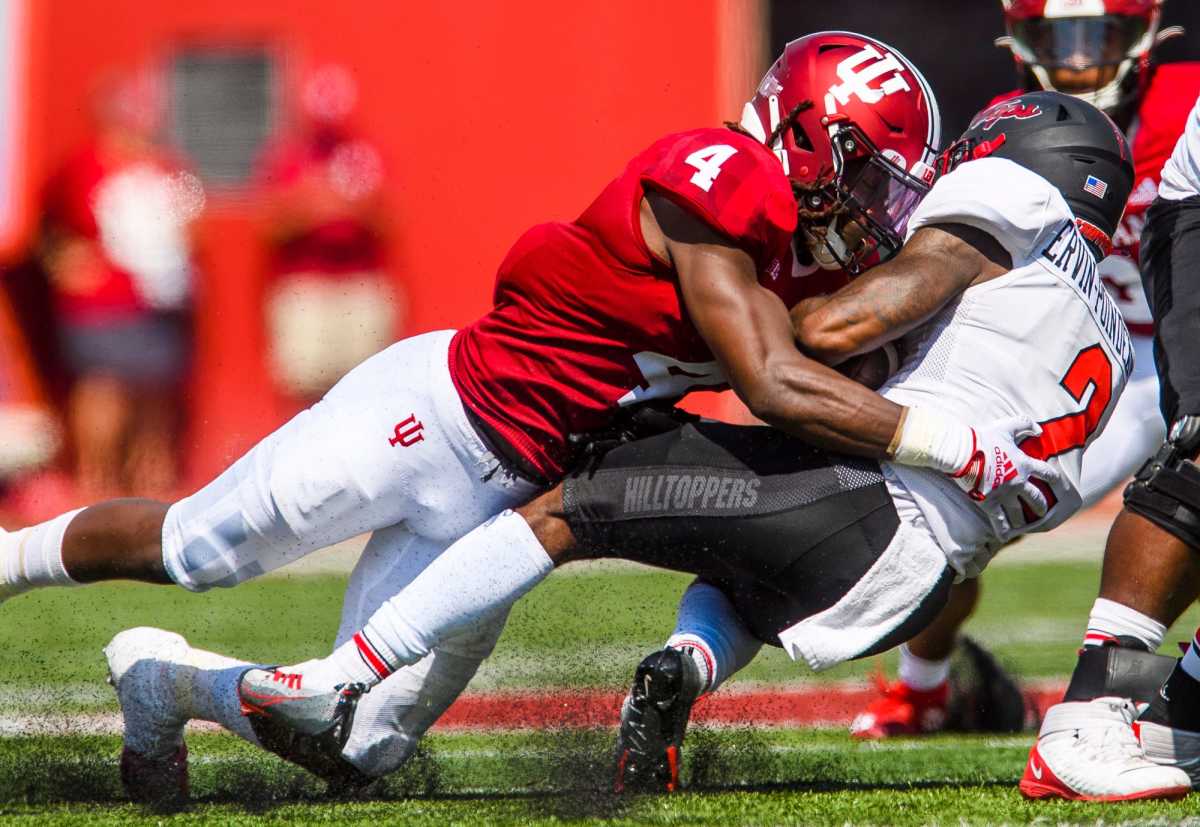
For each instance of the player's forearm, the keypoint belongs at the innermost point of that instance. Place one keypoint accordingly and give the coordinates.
(826, 409)
(936, 265)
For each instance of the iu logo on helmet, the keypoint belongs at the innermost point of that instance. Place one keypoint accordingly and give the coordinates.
(857, 74)
(1021, 111)
(408, 433)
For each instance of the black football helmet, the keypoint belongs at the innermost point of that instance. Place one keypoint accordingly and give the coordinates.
(1067, 141)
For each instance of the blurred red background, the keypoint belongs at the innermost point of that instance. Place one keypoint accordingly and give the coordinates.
(489, 117)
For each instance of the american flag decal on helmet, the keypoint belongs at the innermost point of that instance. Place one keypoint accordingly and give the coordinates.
(1095, 186)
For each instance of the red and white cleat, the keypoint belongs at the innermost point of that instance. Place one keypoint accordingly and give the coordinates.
(1088, 751)
(902, 710)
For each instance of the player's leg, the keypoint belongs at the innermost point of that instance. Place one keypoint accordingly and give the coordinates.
(835, 531)
(813, 596)
(1151, 569)
(916, 702)
(710, 644)
(1086, 748)
(391, 720)
(334, 471)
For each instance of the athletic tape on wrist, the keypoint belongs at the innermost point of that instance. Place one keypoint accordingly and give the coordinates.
(930, 440)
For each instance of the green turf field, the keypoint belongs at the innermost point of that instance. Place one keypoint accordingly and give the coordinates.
(577, 630)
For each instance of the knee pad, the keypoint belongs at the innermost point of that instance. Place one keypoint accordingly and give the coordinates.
(1119, 672)
(1166, 490)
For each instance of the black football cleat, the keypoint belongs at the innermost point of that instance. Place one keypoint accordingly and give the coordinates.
(654, 718)
(983, 696)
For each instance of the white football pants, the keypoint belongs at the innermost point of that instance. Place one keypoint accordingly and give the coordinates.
(390, 443)
(388, 450)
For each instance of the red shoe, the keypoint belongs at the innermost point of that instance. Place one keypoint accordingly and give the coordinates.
(902, 710)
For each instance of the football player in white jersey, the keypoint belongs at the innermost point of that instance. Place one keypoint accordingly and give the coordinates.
(1103, 53)
(831, 557)
(1152, 559)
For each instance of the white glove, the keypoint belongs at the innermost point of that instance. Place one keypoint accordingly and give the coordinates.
(1013, 489)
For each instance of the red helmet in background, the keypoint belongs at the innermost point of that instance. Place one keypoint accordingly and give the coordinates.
(1099, 50)
(857, 129)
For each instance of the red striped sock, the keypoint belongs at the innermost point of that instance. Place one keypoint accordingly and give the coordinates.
(373, 656)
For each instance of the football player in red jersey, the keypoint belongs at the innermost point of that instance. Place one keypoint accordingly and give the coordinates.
(1101, 52)
(679, 275)
(828, 556)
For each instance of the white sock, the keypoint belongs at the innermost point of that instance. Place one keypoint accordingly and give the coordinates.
(1191, 660)
(208, 692)
(463, 590)
(921, 674)
(719, 641)
(1110, 619)
(32, 557)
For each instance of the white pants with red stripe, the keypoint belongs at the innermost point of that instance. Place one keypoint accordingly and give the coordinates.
(389, 450)
(390, 444)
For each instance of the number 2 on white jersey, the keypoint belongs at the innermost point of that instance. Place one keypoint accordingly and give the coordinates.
(1091, 368)
(708, 163)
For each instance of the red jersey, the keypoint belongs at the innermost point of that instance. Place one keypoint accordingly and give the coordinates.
(1160, 120)
(587, 319)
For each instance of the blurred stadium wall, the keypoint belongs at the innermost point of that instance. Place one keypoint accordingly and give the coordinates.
(490, 117)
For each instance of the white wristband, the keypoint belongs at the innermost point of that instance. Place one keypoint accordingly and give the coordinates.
(930, 440)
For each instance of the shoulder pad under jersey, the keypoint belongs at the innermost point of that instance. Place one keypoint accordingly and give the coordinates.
(1017, 207)
(730, 180)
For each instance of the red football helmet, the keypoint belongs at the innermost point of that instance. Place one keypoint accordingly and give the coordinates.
(1096, 50)
(857, 129)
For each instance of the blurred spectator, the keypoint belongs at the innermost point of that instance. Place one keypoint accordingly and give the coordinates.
(29, 434)
(330, 303)
(117, 252)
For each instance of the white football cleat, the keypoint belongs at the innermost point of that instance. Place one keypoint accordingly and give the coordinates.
(143, 666)
(1088, 751)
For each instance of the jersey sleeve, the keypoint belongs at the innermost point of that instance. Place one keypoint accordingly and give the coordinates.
(733, 183)
(1181, 174)
(1017, 207)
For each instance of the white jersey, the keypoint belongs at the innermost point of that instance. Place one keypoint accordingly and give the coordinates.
(1181, 174)
(1044, 340)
